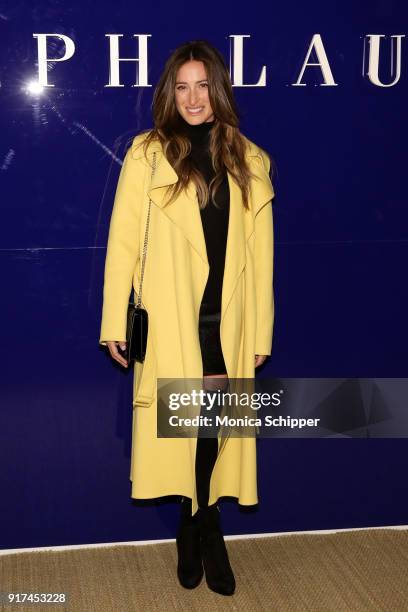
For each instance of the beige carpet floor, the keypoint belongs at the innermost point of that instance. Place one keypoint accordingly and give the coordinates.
(354, 571)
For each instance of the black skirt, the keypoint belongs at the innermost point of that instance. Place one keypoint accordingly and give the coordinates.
(210, 343)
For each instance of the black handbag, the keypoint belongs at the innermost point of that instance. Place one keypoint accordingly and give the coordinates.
(137, 318)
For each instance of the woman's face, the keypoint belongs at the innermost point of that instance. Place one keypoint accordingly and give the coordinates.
(191, 93)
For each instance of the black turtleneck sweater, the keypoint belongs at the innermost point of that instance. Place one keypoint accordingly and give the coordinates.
(214, 220)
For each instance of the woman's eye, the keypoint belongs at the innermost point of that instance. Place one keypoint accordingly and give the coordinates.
(179, 87)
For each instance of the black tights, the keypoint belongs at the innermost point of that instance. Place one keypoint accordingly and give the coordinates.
(207, 449)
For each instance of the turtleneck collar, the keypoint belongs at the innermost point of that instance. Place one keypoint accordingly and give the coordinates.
(198, 131)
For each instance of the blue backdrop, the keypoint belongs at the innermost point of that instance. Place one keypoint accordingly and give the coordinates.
(341, 249)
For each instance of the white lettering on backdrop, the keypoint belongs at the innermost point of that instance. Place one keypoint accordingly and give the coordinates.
(236, 60)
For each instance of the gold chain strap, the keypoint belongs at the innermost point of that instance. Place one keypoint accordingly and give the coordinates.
(139, 299)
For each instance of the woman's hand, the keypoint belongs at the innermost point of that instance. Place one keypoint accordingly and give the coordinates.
(113, 349)
(259, 359)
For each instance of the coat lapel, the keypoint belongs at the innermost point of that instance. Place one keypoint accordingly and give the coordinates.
(184, 212)
(242, 224)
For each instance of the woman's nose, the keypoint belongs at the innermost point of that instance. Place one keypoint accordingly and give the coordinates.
(193, 98)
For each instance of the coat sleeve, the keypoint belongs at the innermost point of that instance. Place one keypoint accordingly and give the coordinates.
(264, 254)
(122, 252)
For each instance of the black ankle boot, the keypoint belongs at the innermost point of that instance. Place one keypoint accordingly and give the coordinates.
(189, 567)
(218, 571)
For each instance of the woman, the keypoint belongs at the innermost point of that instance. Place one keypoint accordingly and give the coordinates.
(207, 288)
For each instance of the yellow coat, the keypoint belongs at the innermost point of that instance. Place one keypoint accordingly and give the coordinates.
(176, 272)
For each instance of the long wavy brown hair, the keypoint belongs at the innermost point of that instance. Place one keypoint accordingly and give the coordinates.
(227, 145)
